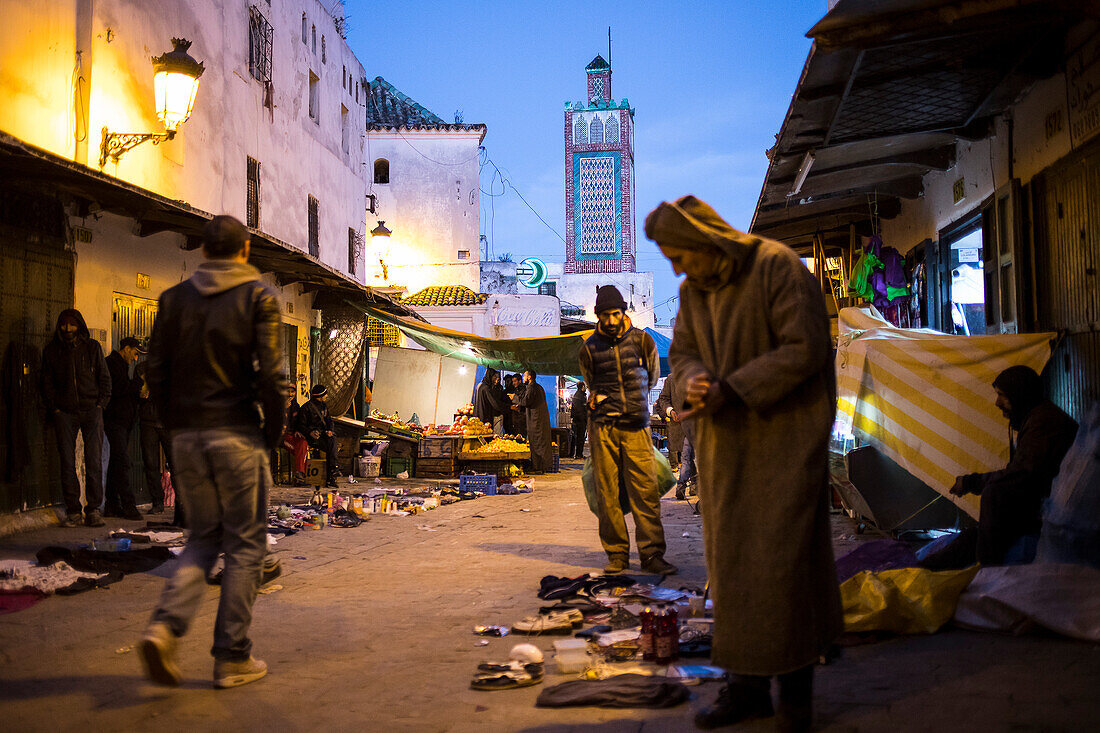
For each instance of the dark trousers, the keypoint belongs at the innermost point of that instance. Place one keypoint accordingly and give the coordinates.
(120, 495)
(580, 430)
(88, 423)
(327, 443)
(153, 439)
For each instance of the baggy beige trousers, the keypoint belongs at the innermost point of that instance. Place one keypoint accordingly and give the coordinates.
(628, 453)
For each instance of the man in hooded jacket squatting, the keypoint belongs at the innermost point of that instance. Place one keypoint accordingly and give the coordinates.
(751, 356)
(1012, 498)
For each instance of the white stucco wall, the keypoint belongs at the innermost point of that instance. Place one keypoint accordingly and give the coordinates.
(580, 289)
(205, 165)
(984, 165)
(431, 204)
(500, 317)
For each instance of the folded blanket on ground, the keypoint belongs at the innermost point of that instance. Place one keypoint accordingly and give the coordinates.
(622, 691)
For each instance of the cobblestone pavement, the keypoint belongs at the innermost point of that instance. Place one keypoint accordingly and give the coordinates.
(371, 630)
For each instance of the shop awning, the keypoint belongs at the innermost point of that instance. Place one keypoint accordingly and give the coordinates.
(550, 355)
(888, 88)
(926, 399)
(25, 165)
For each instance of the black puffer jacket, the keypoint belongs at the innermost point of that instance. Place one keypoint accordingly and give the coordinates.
(214, 354)
(620, 370)
(125, 392)
(74, 375)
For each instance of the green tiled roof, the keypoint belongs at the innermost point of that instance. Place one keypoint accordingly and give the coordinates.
(598, 64)
(446, 295)
(389, 108)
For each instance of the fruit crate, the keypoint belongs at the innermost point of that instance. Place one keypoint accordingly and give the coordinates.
(485, 483)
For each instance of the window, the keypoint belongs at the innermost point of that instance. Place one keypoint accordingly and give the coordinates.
(314, 226)
(313, 35)
(324, 53)
(548, 289)
(344, 77)
(381, 171)
(305, 39)
(259, 45)
(314, 90)
(611, 131)
(597, 88)
(345, 129)
(595, 131)
(463, 254)
(252, 213)
(357, 94)
(580, 131)
(353, 249)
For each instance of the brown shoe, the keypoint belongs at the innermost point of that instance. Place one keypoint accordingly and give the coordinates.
(734, 704)
(615, 565)
(658, 566)
(93, 518)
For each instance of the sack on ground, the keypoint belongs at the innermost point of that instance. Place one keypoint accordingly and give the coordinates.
(666, 479)
(903, 600)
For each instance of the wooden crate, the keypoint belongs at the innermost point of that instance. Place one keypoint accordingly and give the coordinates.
(436, 467)
(439, 446)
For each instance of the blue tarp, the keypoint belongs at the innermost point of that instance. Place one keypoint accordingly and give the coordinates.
(663, 342)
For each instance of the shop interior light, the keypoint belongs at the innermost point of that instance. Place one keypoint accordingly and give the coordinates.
(175, 84)
(332, 333)
(462, 369)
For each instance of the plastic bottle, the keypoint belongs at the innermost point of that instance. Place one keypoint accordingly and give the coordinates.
(674, 630)
(647, 640)
(665, 637)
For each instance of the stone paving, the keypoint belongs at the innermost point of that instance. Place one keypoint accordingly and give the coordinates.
(371, 630)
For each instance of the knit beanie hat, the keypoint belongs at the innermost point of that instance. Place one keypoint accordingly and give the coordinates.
(609, 298)
(318, 390)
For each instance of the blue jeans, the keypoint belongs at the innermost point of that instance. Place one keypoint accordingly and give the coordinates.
(223, 476)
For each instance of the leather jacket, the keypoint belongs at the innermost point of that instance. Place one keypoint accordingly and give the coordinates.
(214, 356)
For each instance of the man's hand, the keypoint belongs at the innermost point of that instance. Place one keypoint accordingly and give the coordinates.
(328, 433)
(704, 395)
(672, 415)
(315, 434)
(959, 487)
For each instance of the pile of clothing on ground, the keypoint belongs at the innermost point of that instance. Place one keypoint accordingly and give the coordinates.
(625, 646)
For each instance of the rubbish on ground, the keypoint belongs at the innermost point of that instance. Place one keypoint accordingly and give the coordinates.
(483, 642)
(695, 671)
(526, 653)
(270, 589)
(124, 650)
(571, 655)
(491, 630)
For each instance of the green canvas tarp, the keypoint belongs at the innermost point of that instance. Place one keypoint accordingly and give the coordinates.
(550, 355)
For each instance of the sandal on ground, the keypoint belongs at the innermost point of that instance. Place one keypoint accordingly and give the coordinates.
(555, 622)
(504, 680)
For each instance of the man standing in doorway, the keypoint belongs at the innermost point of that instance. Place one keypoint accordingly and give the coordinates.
(620, 364)
(76, 386)
(214, 356)
(578, 416)
(752, 366)
(118, 424)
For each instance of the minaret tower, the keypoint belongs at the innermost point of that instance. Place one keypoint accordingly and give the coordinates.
(599, 179)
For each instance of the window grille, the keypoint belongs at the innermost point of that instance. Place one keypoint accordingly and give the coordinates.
(259, 45)
(611, 131)
(324, 52)
(355, 247)
(595, 131)
(382, 334)
(313, 36)
(305, 38)
(580, 132)
(253, 212)
(314, 102)
(548, 289)
(314, 234)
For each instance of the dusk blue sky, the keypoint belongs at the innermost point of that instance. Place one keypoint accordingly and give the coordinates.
(710, 83)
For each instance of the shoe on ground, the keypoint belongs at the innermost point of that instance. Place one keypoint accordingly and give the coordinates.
(681, 491)
(615, 565)
(735, 703)
(133, 515)
(110, 511)
(657, 565)
(230, 673)
(272, 569)
(158, 650)
(72, 520)
(93, 519)
(554, 622)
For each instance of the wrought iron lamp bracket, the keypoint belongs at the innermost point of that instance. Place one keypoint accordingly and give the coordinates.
(116, 143)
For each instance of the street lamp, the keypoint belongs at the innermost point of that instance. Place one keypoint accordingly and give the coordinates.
(175, 83)
(380, 231)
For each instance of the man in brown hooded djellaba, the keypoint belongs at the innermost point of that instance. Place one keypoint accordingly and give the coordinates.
(751, 355)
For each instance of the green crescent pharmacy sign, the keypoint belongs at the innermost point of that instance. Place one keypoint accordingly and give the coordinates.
(531, 272)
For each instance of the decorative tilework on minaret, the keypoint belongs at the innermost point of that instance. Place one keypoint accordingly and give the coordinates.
(599, 178)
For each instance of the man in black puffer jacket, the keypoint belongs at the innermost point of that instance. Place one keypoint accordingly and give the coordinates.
(76, 386)
(214, 358)
(620, 364)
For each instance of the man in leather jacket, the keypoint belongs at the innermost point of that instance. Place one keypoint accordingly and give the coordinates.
(214, 359)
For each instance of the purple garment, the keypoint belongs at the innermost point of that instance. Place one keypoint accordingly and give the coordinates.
(875, 556)
(877, 282)
(895, 267)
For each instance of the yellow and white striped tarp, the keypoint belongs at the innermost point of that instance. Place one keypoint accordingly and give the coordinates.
(925, 398)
